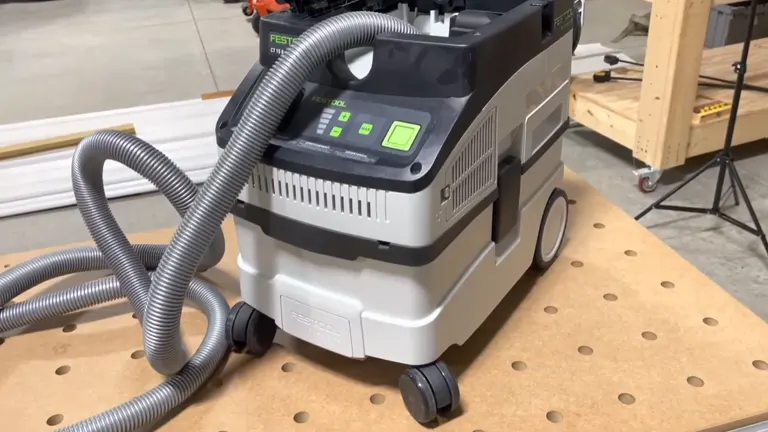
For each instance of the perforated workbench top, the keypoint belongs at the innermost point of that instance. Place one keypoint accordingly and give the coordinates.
(620, 334)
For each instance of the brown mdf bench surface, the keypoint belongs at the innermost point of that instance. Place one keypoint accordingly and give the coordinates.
(620, 334)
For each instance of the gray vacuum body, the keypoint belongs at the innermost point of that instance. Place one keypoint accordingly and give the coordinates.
(391, 223)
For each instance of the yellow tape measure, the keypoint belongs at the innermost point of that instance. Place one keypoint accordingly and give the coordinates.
(713, 108)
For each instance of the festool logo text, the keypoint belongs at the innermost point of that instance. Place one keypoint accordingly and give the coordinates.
(327, 101)
(281, 39)
(565, 20)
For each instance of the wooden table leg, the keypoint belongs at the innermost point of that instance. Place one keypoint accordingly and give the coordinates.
(676, 39)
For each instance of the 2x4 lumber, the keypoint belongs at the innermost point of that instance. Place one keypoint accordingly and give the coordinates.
(672, 65)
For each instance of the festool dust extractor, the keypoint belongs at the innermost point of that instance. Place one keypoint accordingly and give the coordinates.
(408, 188)
(388, 198)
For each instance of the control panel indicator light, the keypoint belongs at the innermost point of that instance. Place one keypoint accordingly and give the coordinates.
(336, 132)
(365, 129)
(401, 136)
(344, 116)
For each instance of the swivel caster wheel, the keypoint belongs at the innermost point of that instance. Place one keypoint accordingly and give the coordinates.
(249, 331)
(648, 178)
(429, 391)
(554, 221)
(646, 184)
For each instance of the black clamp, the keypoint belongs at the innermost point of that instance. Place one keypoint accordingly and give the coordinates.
(607, 76)
(602, 76)
(611, 60)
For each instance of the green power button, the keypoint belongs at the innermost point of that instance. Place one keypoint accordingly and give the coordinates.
(401, 136)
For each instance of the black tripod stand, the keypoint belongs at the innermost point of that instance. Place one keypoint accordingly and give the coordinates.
(724, 158)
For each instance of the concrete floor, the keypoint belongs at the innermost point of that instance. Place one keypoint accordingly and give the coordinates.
(74, 56)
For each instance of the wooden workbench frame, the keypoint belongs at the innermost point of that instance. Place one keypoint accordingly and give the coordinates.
(660, 131)
(670, 76)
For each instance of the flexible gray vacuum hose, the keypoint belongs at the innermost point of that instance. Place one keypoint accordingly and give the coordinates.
(198, 244)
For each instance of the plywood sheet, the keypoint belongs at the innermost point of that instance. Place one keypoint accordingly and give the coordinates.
(718, 63)
(611, 109)
(620, 97)
(620, 334)
(623, 97)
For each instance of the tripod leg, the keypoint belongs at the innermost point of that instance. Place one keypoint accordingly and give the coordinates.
(733, 187)
(666, 196)
(741, 190)
(720, 181)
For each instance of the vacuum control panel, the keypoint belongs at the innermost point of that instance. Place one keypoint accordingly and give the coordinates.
(371, 139)
(372, 128)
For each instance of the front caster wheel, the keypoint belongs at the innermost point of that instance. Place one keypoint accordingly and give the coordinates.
(429, 391)
(249, 331)
(552, 230)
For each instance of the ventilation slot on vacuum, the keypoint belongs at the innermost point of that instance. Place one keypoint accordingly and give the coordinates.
(474, 169)
(320, 194)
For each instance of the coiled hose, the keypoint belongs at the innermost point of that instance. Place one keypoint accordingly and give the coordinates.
(156, 279)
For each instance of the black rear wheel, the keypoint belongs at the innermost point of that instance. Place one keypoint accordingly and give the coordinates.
(551, 237)
(576, 33)
(578, 17)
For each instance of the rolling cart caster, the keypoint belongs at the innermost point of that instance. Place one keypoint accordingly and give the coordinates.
(249, 331)
(429, 391)
(646, 184)
(554, 221)
(648, 179)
